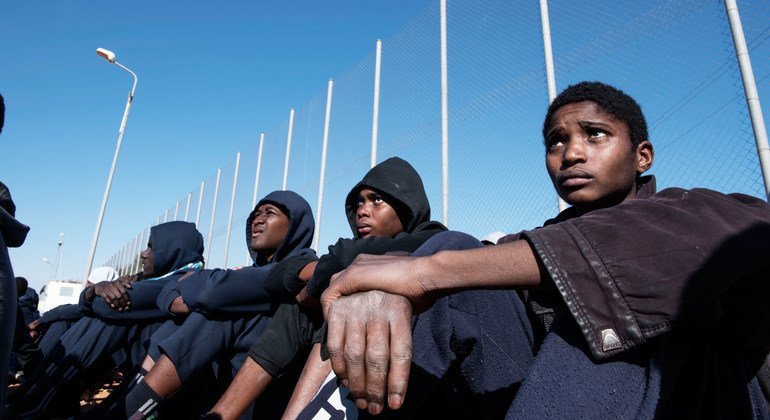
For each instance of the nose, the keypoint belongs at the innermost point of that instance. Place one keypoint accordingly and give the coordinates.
(574, 151)
(363, 210)
(258, 220)
(143, 255)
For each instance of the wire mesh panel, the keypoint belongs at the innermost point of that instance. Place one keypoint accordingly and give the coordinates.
(693, 101)
(675, 57)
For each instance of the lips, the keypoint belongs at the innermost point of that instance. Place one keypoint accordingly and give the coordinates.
(574, 178)
(256, 232)
(364, 230)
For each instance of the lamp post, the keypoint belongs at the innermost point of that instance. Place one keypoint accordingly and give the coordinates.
(58, 256)
(110, 56)
(50, 270)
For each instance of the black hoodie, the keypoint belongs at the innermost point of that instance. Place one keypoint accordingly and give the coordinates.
(174, 245)
(242, 291)
(402, 188)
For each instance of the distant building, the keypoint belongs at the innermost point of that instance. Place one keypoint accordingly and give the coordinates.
(58, 293)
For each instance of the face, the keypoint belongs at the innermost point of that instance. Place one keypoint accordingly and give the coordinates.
(147, 261)
(268, 228)
(375, 217)
(590, 158)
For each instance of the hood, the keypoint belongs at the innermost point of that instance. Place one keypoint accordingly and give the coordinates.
(400, 182)
(14, 232)
(30, 297)
(174, 245)
(301, 225)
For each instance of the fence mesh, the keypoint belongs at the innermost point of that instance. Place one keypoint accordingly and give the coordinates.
(675, 57)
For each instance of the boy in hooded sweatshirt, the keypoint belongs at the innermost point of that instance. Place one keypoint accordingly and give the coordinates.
(225, 310)
(387, 211)
(118, 315)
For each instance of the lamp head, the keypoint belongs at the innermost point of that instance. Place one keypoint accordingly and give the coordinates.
(107, 54)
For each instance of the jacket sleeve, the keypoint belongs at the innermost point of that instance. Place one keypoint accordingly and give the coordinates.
(342, 254)
(143, 296)
(85, 307)
(67, 312)
(642, 268)
(228, 291)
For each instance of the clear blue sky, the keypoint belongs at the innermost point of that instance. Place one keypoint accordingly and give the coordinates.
(212, 76)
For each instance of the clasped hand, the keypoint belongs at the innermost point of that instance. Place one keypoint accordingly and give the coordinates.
(369, 308)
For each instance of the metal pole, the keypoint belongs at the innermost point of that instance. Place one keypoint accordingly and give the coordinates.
(165, 216)
(259, 169)
(550, 75)
(58, 256)
(176, 211)
(106, 196)
(187, 206)
(750, 90)
(256, 186)
(376, 105)
(288, 149)
(131, 254)
(124, 259)
(213, 213)
(319, 207)
(200, 202)
(232, 206)
(139, 257)
(121, 260)
(157, 221)
(444, 119)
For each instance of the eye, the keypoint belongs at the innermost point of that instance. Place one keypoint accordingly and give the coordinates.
(378, 199)
(554, 142)
(595, 133)
(360, 201)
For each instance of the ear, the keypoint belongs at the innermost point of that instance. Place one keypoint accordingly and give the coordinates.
(645, 154)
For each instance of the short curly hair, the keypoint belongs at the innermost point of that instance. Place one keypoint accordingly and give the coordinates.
(611, 100)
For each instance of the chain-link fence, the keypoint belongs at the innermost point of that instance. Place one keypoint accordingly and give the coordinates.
(675, 57)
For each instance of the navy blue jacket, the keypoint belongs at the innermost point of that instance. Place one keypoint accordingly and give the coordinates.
(66, 312)
(28, 305)
(243, 291)
(174, 245)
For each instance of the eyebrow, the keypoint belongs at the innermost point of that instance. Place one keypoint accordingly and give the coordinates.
(589, 123)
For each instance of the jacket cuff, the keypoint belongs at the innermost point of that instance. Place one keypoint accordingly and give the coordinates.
(588, 289)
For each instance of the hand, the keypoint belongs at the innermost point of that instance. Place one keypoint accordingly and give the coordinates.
(304, 299)
(34, 329)
(129, 278)
(369, 339)
(179, 307)
(115, 293)
(399, 275)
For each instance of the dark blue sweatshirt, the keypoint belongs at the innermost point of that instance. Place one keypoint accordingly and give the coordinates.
(242, 291)
(174, 245)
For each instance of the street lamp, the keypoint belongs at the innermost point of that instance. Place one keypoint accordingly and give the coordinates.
(110, 56)
(58, 256)
(50, 270)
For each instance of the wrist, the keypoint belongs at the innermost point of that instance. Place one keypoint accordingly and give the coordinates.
(425, 268)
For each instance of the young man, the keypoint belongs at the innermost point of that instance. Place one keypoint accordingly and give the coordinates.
(223, 311)
(644, 304)
(387, 211)
(118, 316)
